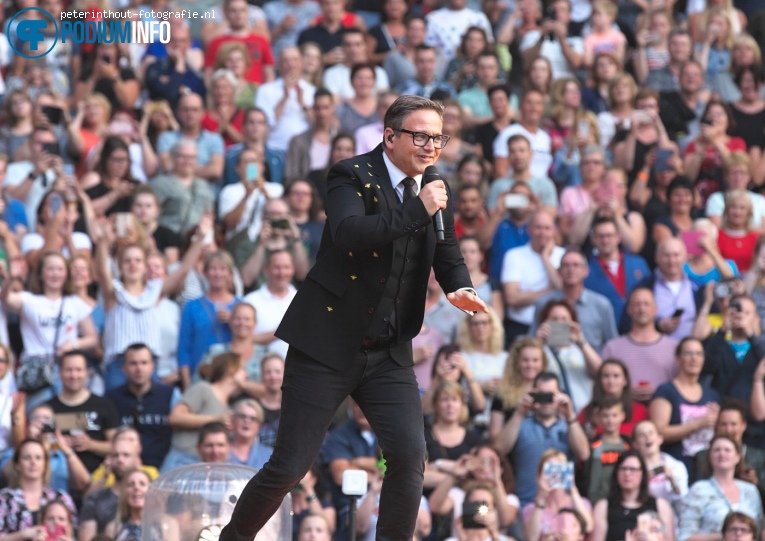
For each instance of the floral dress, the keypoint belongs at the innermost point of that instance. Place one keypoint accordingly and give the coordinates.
(14, 514)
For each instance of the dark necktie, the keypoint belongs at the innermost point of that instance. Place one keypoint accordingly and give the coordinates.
(409, 184)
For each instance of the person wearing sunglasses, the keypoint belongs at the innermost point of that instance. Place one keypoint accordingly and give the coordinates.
(245, 446)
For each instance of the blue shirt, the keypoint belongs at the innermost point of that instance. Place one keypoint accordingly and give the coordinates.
(533, 440)
(14, 214)
(415, 88)
(200, 329)
(506, 237)
(712, 275)
(259, 455)
(209, 144)
(740, 349)
(274, 161)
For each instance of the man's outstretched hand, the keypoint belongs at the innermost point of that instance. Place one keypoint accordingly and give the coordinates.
(467, 300)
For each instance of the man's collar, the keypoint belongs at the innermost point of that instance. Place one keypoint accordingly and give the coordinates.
(396, 174)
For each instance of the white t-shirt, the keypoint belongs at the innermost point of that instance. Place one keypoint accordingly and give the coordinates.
(524, 266)
(293, 120)
(552, 51)
(270, 311)
(35, 241)
(541, 148)
(17, 173)
(716, 206)
(337, 80)
(446, 28)
(232, 195)
(38, 322)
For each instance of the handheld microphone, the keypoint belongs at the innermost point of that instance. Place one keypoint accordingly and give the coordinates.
(431, 174)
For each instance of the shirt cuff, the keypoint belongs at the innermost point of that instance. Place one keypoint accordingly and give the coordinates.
(474, 292)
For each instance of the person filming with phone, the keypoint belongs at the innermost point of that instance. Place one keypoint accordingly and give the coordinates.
(545, 418)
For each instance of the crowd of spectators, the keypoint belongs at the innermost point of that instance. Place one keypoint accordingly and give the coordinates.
(161, 203)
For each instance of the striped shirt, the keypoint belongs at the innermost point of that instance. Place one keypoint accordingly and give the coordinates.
(132, 319)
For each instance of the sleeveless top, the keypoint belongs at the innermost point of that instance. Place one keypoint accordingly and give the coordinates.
(621, 519)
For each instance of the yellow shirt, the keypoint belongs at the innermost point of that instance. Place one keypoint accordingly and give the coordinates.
(98, 474)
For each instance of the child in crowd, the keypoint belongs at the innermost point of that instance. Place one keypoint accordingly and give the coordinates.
(605, 449)
(605, 36)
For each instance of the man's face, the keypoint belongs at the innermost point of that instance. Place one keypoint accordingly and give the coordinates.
(487, 70)
(407, 156)
(541, 230)
(280, 271)
(256, 127)
(532, 108)
(236, 15)
(354, 48)
(562, 11)
(214, 448)
(519, 155)
(499, 103)
(546, 411)
(190, 112)
(185, 160)
(742, 314)
(41, 138)
(74, 373)
(731, 423)
(125, 456)
(323, 110)
(606, 238)
(425, 64)
(642, 307)
(670, 258)
(691, 78)
(245, 422)
(469, 204)
(573, 269)
(680, 48)
(138, 366)
(290, 62)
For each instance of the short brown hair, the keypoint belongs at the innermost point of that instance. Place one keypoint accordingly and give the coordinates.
(404, 106)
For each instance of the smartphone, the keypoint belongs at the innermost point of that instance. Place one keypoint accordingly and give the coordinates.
(560, 334)
(664, 158)
(658, 470)
(470, 510)
(642, 117)
(583, 128)
(559, 475)
(691, 241)
(209, 237)
(541, 398)
(723, 289)
(679, 312)
(58, 531)
(106, 59)
(67, 169)
(251, 172)
(121, 221)
(51, 148)
(48, 428)
(55, 202)
(516, 201)
(280, 224)
(54, 114)
(643, 522)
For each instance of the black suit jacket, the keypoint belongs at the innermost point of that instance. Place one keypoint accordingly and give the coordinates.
(334, 308)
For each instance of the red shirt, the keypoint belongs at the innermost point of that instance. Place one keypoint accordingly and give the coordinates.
(211, 124)
(639, 413)
(348, 20)
(258, 47)
(739, 248)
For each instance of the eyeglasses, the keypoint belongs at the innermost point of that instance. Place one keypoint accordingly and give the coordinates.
(245, 417)
(421, 139)
(739, 530)
(592, 162)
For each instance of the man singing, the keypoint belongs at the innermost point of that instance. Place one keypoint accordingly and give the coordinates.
(351, 323)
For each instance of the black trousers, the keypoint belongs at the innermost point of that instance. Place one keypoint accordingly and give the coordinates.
(387, 394)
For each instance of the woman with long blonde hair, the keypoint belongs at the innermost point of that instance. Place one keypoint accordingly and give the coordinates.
(525, 361)
(481, 338)
(127, 524)
(714, 51)
(565, 110)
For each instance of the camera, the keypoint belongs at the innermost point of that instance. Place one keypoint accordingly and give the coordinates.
(723, 289)
(48, 428)
(470, 510)
(550, 13)
(280, 224)
(542, 398)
